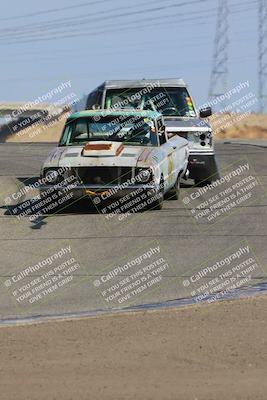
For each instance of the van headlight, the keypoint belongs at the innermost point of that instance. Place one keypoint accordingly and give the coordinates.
(51, 176)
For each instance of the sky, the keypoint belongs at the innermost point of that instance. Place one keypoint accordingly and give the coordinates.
(87, 42)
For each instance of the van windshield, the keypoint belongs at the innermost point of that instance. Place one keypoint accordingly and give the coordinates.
(168, 101)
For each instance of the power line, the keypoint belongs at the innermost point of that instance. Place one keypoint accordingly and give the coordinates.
(60, 35)
(55, 10)
(85, 19)
(72, 29)
(81, 20)
(78, 20)
(74, 19)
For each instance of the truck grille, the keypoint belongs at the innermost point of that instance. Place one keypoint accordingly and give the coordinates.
(104, 175)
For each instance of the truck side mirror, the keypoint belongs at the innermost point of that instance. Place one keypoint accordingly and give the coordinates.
(205, 112)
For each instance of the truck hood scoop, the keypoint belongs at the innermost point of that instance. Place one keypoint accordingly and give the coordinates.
(102, 149)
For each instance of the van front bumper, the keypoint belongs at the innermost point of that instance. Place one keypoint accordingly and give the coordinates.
(203, 166)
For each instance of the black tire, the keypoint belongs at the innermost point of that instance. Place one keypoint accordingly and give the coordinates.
(202, 183)
(158, 204)
(174, 193)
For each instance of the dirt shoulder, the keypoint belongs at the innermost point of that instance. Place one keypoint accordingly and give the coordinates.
(207, 352)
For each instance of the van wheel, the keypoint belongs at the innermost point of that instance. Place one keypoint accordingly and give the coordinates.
(201, 183)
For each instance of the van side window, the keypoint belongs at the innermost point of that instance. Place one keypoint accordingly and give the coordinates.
(93, 99)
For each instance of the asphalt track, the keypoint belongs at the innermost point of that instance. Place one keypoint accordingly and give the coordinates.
(99, 244)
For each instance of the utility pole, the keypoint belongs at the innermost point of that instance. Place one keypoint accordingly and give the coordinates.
(263, 55)
(219, 74)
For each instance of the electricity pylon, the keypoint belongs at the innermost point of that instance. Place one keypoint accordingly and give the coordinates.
(219, 74)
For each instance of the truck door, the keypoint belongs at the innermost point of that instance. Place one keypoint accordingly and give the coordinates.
(170, 161)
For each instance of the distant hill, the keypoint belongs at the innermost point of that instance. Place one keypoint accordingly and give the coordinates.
(226, 126)
(26, 122)
(239, 126)
(38, 132)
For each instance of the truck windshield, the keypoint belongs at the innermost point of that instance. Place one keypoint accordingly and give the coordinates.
(131, 129)
(168, 101)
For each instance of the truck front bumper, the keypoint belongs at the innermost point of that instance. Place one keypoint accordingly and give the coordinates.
(102, 192)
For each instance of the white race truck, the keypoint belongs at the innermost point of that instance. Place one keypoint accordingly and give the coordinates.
(105, 154)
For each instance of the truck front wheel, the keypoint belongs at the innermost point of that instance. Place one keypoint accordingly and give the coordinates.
(158, 203)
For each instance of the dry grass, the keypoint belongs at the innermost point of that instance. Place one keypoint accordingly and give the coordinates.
(238, 126)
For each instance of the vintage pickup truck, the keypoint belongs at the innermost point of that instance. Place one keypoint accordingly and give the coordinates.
(111, 154)
(170, 97)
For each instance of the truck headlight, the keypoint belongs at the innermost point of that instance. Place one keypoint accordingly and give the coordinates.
(51, 176)
(144, 175)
